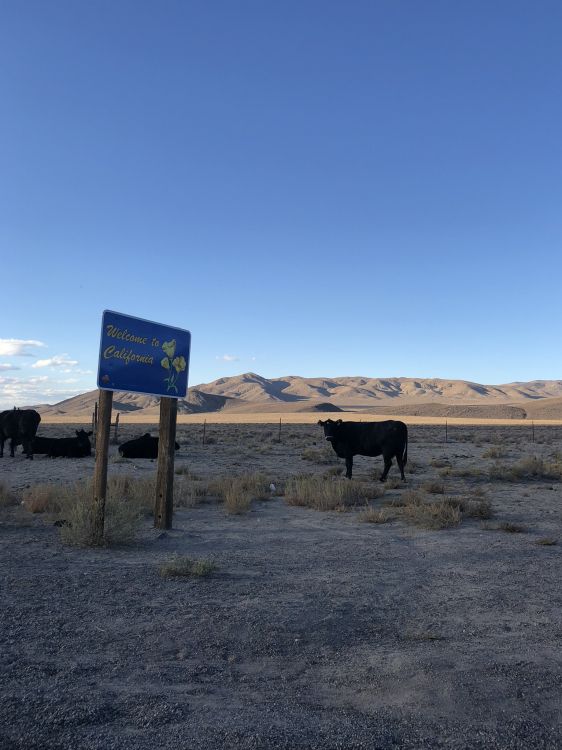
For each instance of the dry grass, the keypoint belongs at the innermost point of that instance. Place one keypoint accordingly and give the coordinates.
(441, 514)
(372, 515)
(185, 567)
(495, 451)
(189, 493)
(440, 463)
(462, 473)
(433, 487)
(42, 498)
(322, 494)
(185, 472)
(477, 509)
(530, 467)
(7, 497)
(122, 518)
(392, 484)
(238, 492)
(547, 541)
(125, 505)
(507, 526)
(317, 456)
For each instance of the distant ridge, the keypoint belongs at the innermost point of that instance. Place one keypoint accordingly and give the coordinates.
(537, 399)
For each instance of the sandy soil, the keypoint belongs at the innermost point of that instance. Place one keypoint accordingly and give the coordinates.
(316, 631)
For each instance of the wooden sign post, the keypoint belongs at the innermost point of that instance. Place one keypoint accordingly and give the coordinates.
(100, 470)
(164, 506)
(140, 356)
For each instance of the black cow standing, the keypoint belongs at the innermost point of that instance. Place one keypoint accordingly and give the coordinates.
(143, 447)
(20, 425)
(388, 438)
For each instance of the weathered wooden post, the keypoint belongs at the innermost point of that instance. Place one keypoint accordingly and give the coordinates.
(100, 470)
(164, 507)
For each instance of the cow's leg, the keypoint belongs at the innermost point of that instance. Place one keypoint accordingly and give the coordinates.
(348, 466)
(12, 446)
(387, 465)
(400, 463)
(28, 449)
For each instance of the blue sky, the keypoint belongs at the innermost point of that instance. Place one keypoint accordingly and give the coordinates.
(312, 188)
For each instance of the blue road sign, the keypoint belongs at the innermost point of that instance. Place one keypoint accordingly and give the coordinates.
(141, 356)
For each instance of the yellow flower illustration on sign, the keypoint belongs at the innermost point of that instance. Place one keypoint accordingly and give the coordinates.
(174, 366)
(179, 364)
(169, 347)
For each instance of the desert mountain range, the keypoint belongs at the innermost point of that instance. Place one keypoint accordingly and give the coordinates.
(537, 399)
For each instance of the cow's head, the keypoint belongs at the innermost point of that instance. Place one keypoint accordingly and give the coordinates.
(84, 440)
(331, 428)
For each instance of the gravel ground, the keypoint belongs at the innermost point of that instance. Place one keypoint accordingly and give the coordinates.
(316, 630)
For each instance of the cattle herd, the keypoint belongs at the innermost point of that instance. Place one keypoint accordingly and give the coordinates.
(348, 439)
(20, 427)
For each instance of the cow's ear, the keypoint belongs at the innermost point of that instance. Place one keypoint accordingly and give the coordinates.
(320, 422)
(77, 432)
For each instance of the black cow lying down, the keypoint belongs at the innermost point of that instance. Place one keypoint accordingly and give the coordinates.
(73, 447)
(143, 447)
(388, 438)
(20, 425)
(42, 444)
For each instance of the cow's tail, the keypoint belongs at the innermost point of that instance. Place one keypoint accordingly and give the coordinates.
(405, 454)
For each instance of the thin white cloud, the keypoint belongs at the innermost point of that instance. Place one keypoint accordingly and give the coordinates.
(36, 390)
(4, 367)
(18, 347)
(229, 358)
(59, 360)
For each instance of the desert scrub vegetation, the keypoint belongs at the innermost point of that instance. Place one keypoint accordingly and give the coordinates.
(317, 492)
(462, 473)
(237, 492)
(441, 514)
(7, 497)
(188, 493)
(434, 487)
(319, 456)
(374, 515)
(181, 566)
(42, 498)
(186, 472)
(530, 467)
(507, 526)
(122, 518)
(440, 463)
(415, 507)
(546, 541)
(496, 451)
